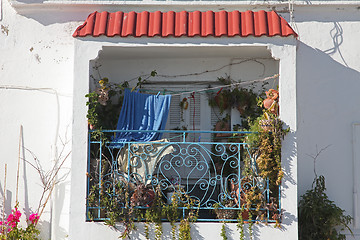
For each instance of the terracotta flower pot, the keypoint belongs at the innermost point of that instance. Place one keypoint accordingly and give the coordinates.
(242, 108)
(234, 188)
(272, 93)
(222, 126)
(221, 101)
(142, 196)
(268, 102)
(225, 213)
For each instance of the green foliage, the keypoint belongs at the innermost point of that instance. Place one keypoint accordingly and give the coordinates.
(172, 213)
(319, 217)
(250, 226)
(113, 211)
(147, 230)
(103, 114)
(116, 212)
(104, 104)
(155, 213)
(10, 229)
(262, 156)
(30, 233)
(244, 99)
(184, 229)
(223, 232)
(240, 224)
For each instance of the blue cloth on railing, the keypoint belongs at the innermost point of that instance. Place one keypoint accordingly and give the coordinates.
(141, 112)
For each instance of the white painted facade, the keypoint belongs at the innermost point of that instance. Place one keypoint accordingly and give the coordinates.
(45, 74)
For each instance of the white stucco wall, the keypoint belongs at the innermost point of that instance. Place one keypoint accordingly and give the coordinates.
(328, 99)
(44, 74)
(36, 88)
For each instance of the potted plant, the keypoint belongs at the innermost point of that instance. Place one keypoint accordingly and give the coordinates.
(223, 213)
(222, 125)
(271, 101)
(143, 196)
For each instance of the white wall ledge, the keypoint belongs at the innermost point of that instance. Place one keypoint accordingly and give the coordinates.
(22, 6)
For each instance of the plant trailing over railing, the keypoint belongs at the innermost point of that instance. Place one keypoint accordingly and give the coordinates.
(263, 164)
(152, 211)
(266, 145)
(264, 160)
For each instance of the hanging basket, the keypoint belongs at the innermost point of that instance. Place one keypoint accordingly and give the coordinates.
(222, 126)
(267, 125)
(225, 213)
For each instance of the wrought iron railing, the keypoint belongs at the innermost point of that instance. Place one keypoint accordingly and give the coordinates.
(205, 166)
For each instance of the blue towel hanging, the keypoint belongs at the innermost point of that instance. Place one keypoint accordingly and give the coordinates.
(141, 112)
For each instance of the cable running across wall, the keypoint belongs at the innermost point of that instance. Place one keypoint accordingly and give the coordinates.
(219, 87)
(197, 73)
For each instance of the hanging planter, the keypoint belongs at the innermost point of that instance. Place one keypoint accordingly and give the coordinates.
(222, 126)
(184, 104)
(223, 213)
(268, 102)
(222, 101)
(234, 192)
(267, 124)
(143, 196)
(271, 101)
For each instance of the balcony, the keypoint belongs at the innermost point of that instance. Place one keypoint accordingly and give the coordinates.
(214, 173)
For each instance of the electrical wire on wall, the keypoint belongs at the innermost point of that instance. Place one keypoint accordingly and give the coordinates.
(292, 17)
(97, 67)
(209, 89)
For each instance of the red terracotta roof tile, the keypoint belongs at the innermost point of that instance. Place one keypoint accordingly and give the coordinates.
(190, 24)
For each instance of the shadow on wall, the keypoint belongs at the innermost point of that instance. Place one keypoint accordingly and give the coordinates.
(55, 14)
(327, 104)
(351, 13)
(289, 150)
(60, 193)
(139, 233)
(45, 228)
(30, 1)
(8, 197)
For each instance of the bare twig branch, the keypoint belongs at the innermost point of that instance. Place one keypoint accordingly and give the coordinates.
(47, 199)
(317, 154)
(48, 178)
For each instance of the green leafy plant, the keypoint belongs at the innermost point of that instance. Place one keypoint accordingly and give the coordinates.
(240, 224)
(222, 213)
(223, 231)
(265, 144)
(319, 217)
(243, 99)
(104, 104)
(10, 228)
(184, 229)
(117, 208)
(172, 213)
(192, 210)
(154, 214)
(250, 227)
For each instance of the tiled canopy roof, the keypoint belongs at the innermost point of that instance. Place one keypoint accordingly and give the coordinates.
(190, 24)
